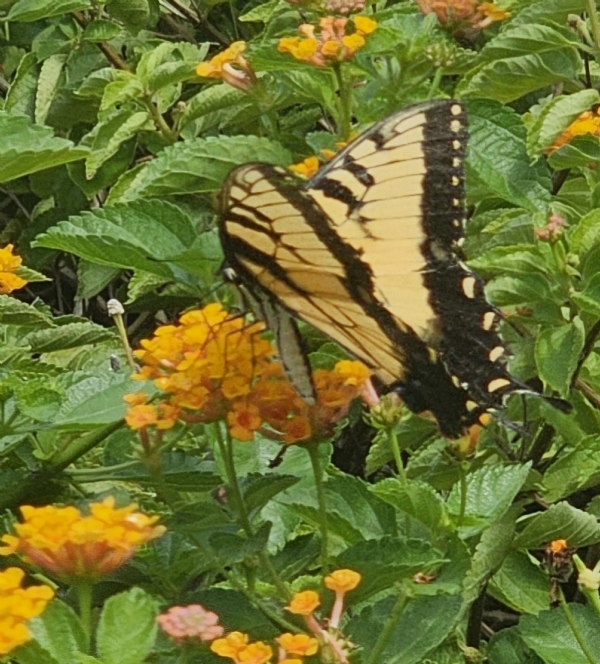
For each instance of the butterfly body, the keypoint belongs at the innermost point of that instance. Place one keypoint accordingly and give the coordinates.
(369, 252)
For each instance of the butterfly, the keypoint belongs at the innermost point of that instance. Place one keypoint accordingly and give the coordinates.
(369, 253)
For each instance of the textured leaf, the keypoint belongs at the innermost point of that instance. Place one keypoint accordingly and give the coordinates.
(34, 10)
(27, 148)
(581, 152)
(549, 10)
(573, 470)
(557, 352)
(490, 492)
(67, 336)
(586, 234)
(213, 100)
(50, 74)
(498, 157)
(521, 584)
(552, 638)
(560, 521)
(13, 312)
(417, 499)
(201, 165)
(143, 235)
(135, 14)
(507, 647)
(259, 490)
(522, 59)
(101, 30)
(58, 632)
(127, 628)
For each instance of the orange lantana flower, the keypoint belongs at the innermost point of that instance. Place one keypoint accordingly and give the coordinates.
(9, 263)
(304, 603)
(588, 122)
(78, 547)
(298, 644)
(240, 76)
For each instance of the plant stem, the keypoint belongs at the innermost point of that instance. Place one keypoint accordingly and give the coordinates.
(393, 440)
(120, 325)
(463, 494)
(345, 99)
(166, 131)
(594, 24)
(84, 595)
(388, 628)
(575, 629)
(435, 84)
(313, 452)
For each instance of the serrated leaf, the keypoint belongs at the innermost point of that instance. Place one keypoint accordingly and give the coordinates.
(20, 99)
(259, 490)
(588, 299)
(13, 312)
(514, 259)
(231, 548)
(27, 148)
(93, 85)
(124, 89)
(573, 470)
(521, 584)
(143, 235)
(58, 632)
(263, 12)
(134, 14)
(34, 10)
(109, 135)
(491, 490)
(527, 289)
(417, 499)
(552, 638)
(560, 521)
(101, 30)
(549, 10)
(557, 352)
(581, 152)
(423, 625)
(586, 234)
(127, 628)
(522, 59)
(490, 552)
(507, 647)
(67, 336)
(201, 165)
(212, 100)
(498, 157)
(385, 561)
(50, 74)
(92, 278)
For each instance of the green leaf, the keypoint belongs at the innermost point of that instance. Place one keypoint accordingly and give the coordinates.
(48, 81)
(127, 628)
(38, 399)
(555, 117)
(144, 235)
(264, 11)
(498, 157)
(258, 490)
(20, 99)
(126, 88)
(589, 299)
(385, 561)
(58, 632)
(67, 336)
(92, 278)
(109, 135)
(522, 59)
(201, 165)
(423, 625)
(507, 647)
(581, 152)
(491, 490)
(135, 14)
(514, 259)
(529, 289)
(212, 101)
(586, 234)
(549, 10)
(573, 470)
(560, 521)
(557, 352)
(521, 584)
(490, 552)
(101, 30)
(417, 499)
(13, 312)
(231, 548)
(169, 64)
(34, 10)
(551, 637)
(27, 148)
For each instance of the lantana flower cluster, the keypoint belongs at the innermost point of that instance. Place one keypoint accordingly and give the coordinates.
(17, 605)
(230, 66)
(191, 622)
(463, 13)
(332, 6)
(76, 547)
(9, 263)
(238, 647)
(217, 367)
(329, 42)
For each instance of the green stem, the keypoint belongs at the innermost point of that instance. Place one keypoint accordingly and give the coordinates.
(388, 629)
(266, 563)
(120, 325)
(393, 440)
(345, 105)
(462, 478)
(226, 449)
(313, 452)
(84, 595)
(575, 629)
(435, 84)
(166, 131)
(594, 24)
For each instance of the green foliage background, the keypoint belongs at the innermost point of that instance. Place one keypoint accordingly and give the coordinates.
(112, 153)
